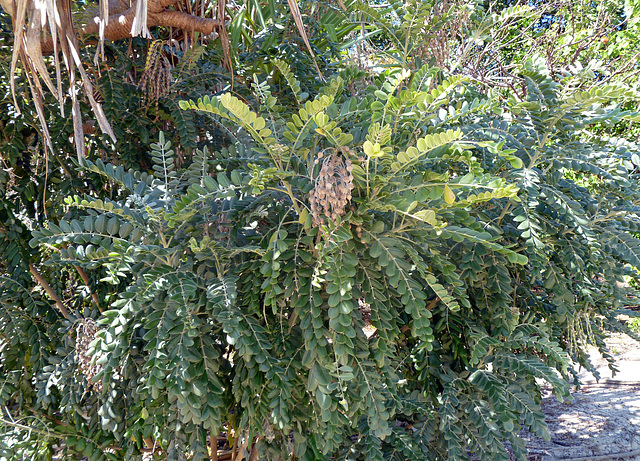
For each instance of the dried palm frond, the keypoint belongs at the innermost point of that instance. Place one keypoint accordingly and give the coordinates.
(29, 23)
(297, 17)
(139, 23)
(224, 37)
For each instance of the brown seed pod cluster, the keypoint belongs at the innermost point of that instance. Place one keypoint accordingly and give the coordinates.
(332, 190)
(269, 433)
(85, 333)
(156, 78)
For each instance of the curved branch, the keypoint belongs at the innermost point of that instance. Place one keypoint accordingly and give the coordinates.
(52, 294)
(162, 5)
(119, 24)
(180, 20)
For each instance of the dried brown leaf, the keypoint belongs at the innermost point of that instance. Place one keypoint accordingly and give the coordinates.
(297, 17)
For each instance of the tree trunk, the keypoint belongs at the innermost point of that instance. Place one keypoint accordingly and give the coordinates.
(121, 17)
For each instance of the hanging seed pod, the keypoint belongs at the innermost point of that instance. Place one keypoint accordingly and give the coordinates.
(156, 78)
(269, 433)
(332, 190)
(85, 333)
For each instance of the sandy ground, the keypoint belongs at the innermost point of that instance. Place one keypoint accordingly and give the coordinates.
(603, 420)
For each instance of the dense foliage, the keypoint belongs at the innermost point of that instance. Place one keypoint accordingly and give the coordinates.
(388, 265)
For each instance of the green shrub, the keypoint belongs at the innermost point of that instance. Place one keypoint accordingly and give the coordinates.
(380, 276)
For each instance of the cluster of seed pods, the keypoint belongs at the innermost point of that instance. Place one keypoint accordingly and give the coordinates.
(332, 190)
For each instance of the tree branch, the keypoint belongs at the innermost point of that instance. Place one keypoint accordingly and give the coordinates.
(213, 446)
(52, 294)
(87, 282)
(120, 19)
(180, 20)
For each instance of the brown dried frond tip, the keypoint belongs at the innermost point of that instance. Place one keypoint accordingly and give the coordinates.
(333, 186)
(85, 333)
